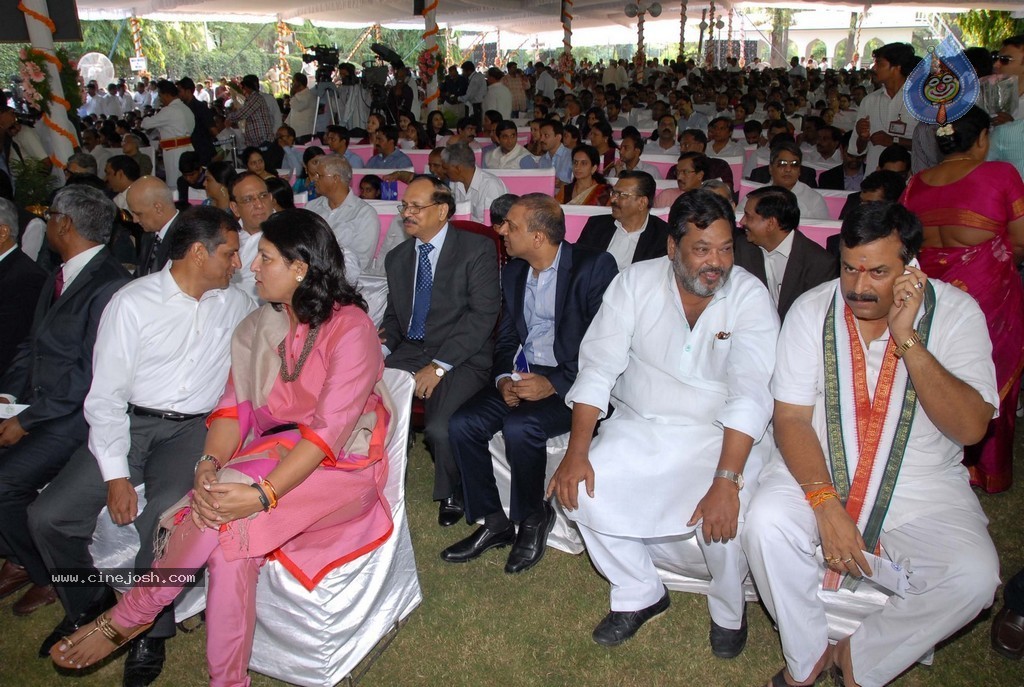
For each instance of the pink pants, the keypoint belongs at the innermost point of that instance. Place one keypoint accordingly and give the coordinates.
(230, 601)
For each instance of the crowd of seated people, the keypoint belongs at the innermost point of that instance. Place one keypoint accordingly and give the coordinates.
(818, 401)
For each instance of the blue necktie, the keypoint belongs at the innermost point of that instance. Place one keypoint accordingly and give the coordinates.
(421, 297)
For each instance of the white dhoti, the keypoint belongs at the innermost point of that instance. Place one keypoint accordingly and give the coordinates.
(955, 575)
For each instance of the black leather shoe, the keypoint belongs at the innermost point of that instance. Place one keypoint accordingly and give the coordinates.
(144, 662)
(728, 643)
(531, 541)
(104, 600)
(450, 511)
(618, 626)
(1008, 634)
(475, 544)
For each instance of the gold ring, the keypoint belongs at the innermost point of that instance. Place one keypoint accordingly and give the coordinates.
(847, 560)
(918, 285)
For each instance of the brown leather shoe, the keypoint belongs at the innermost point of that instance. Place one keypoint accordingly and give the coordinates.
(12, 578)
(34, 599)
(1008, 634)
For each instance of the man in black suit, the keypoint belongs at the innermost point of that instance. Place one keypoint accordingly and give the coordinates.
(775, 252)
(51, 373)
(763, 174)
(152, 206)
(631, 233)
(549, 297)
(20, 282)
(443, 302)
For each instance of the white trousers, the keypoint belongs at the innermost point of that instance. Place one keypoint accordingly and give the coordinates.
(955, 575)
(630, 565)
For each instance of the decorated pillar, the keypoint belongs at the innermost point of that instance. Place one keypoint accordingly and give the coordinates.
(281, 44)
(136, 35)
(728, 40)
(429, 58)
(640, 61)
(682, 28)
(711, 34)
(55, 112)
(566, 64)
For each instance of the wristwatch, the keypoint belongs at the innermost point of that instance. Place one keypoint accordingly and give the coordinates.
(438, 370)
(734, 477)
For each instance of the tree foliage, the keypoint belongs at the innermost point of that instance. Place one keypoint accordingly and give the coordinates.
(988, 28)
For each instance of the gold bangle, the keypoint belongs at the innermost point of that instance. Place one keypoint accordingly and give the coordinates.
(902, 349)
(815, 484)
(272, 496)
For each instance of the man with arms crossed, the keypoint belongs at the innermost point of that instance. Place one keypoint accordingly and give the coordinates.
(882, 377)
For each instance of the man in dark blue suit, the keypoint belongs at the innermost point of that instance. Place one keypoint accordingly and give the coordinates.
(51, 373)
(549, 296)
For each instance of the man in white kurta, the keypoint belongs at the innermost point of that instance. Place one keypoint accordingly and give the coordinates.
(175, 123)
(683, 348)
(934, 524)
(353, 221)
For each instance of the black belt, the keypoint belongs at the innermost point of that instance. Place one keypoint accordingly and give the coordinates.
(162, 414)
(287, 427)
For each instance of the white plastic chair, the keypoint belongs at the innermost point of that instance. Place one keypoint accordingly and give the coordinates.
(318, 637)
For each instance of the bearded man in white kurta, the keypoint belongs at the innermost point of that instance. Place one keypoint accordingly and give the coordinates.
(882, 377)
(683, 348)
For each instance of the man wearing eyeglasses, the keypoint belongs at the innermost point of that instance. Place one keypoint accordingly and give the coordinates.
(443, 302)
(1009, 61)
(50, 371)
(630, 233)
(250, 202)
(152, 206)
(355, 224)
(786, 162)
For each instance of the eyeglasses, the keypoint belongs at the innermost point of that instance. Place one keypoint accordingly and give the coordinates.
(615, 193)
(786, 163)
(686, 171)
(50, 214)
(1002, 59)
(249, 200)
(413, 209)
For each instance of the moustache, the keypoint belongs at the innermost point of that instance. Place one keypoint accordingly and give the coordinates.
(717, 271)
(854, 297)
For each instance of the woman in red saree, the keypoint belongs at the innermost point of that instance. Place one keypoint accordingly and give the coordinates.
(294, 464)
(973, 217)
(587, 187)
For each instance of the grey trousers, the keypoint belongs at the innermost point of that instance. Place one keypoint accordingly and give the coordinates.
(62, 519)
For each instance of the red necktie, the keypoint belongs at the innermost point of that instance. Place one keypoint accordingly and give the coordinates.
(58, 285)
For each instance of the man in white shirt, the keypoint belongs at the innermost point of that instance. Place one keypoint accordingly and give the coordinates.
(884, 476)
(175, 122)
(121, 172)
(476, 90)
(666, 143)
(160, 363)
(477, 186)
(499, 97)
(631, 147)
(688, 117)
(303, 113)
(784, 169)
(883, 118)
(545, 84)
(508, 154)
(354, 222)
(684, 349)
(250, 203)
(721, 144)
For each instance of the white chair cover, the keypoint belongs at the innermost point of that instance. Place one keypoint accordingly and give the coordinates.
(318, 637)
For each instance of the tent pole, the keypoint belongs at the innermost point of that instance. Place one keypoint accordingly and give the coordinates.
(430, 39)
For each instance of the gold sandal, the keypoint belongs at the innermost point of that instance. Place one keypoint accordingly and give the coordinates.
(104, 626)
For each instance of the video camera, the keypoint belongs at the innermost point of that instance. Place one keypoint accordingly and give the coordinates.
(327, 60)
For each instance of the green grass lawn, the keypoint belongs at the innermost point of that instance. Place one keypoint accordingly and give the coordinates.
(479, 626)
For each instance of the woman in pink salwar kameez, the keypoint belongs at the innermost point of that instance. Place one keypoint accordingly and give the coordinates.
(294, 464)
(973, 217)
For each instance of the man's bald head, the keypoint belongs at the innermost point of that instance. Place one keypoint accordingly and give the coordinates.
(151, 203)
